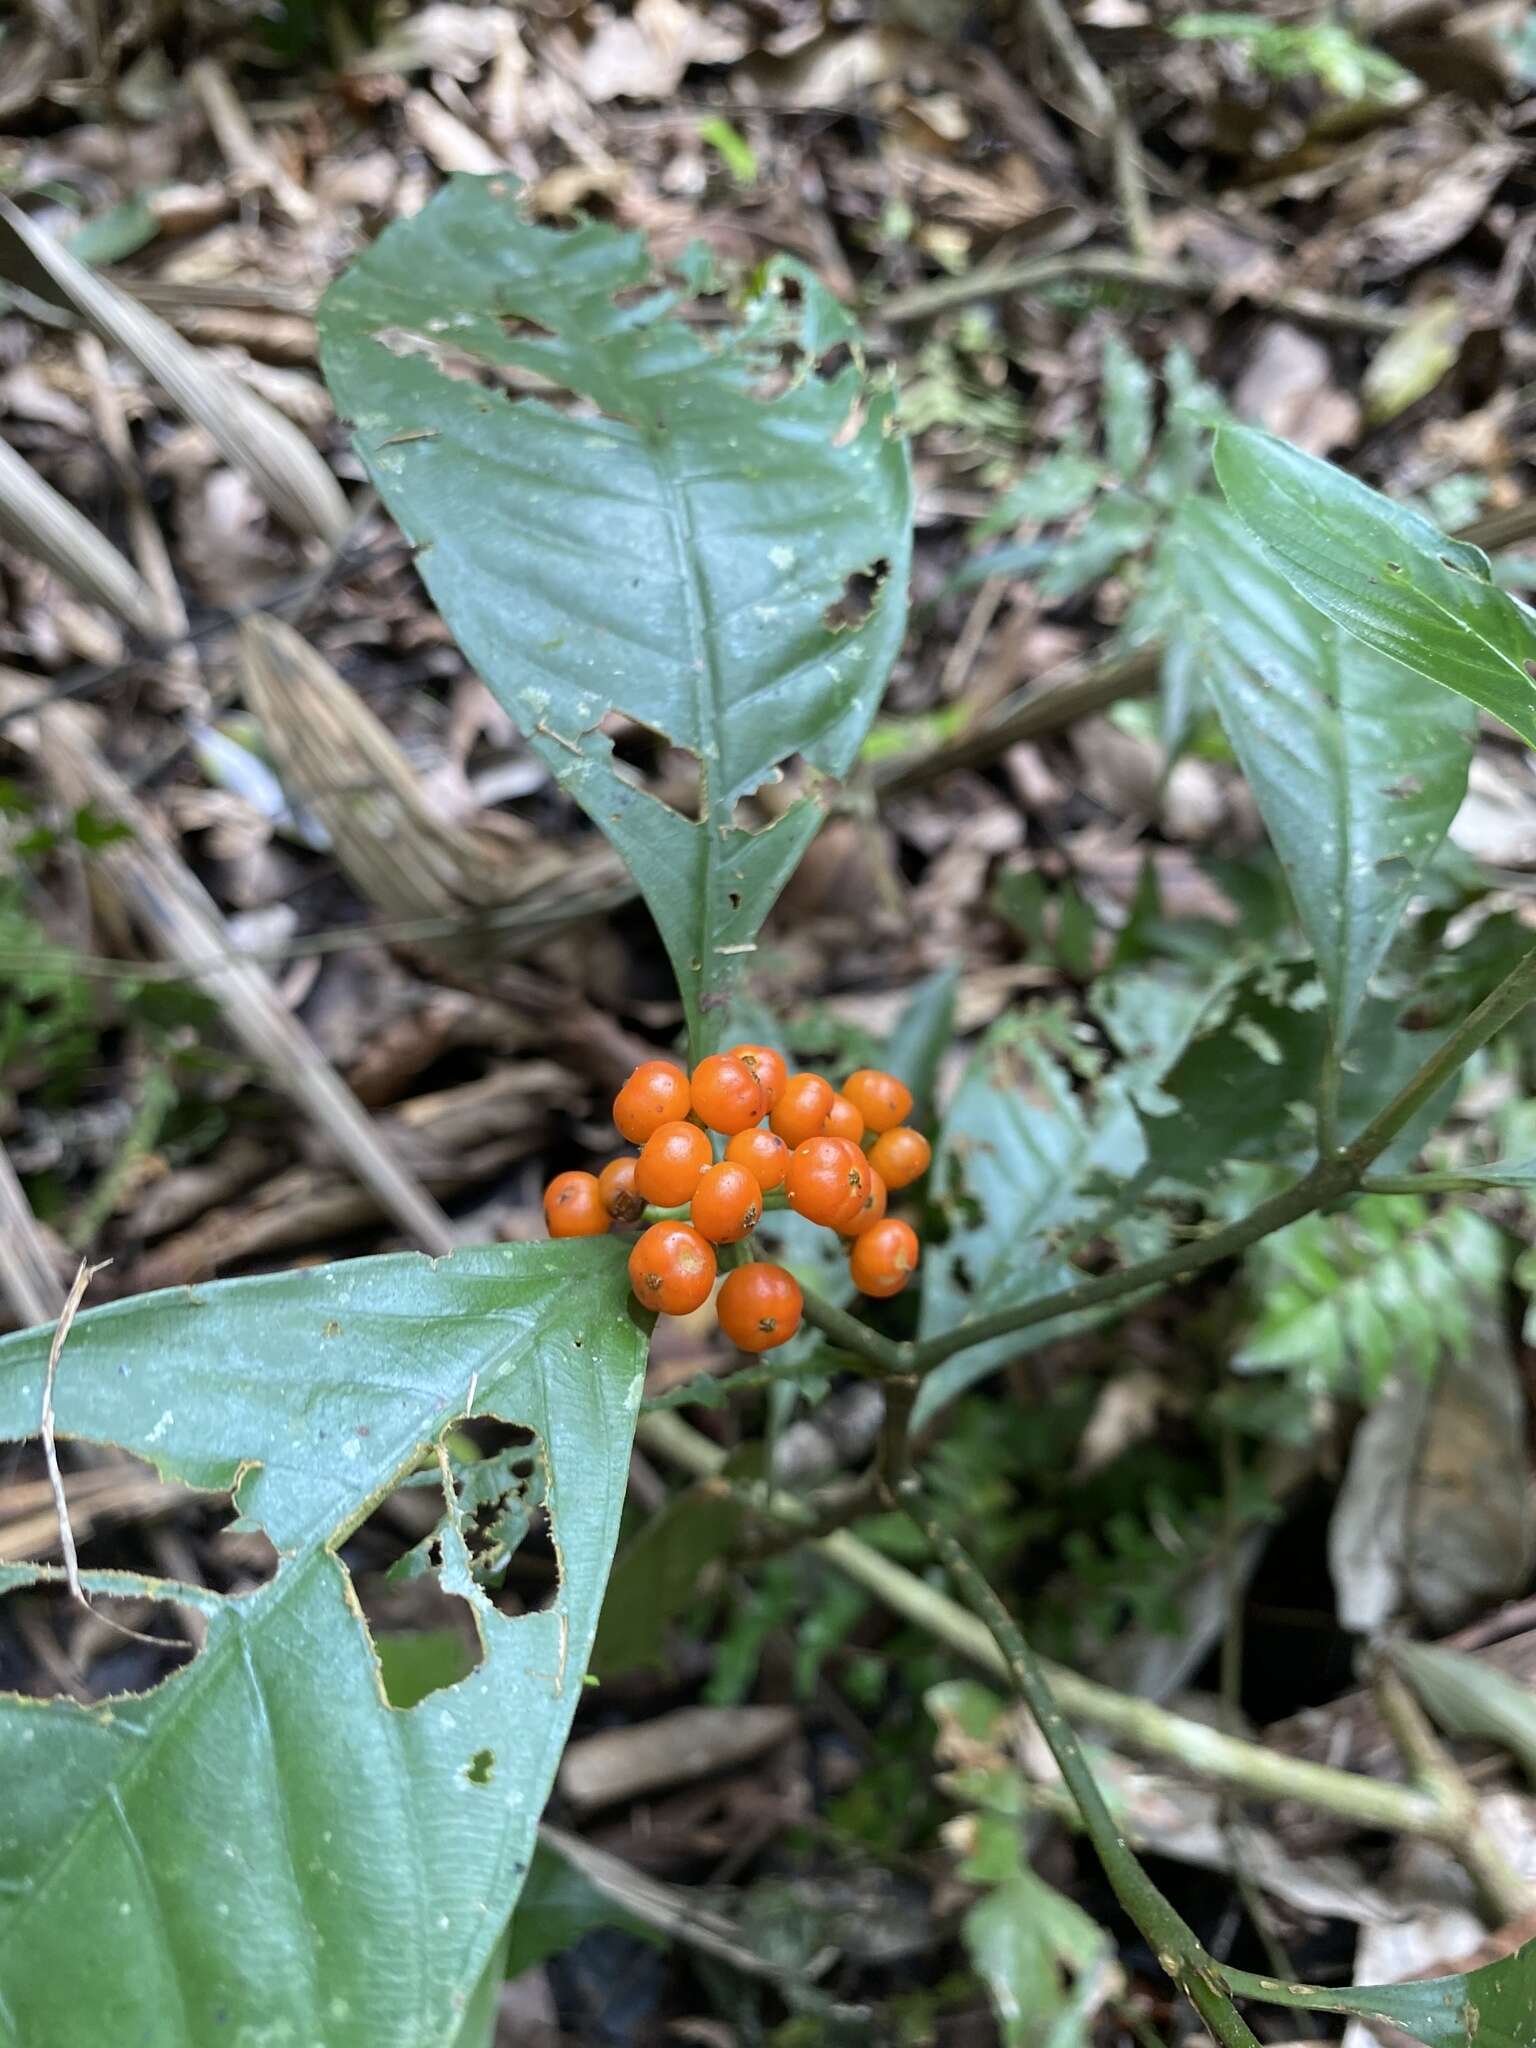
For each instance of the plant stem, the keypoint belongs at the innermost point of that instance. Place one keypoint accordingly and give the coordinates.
(1328, 1098)
(1174, 1941)
(1206, 1751)
(1428, 1184)
(1503, 1894)
(847, 1331)
(1336, 1173)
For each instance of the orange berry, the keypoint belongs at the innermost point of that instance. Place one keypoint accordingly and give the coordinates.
(672, 1269)
(621, 1198)
(656, 1093)
(871, 1209)
(759, 1306)
(768, 1066)
(884, 1259)
(670, 1163)
(843, 1120)
(880, 1098)
(727, 1095)
(727, 1203)
(573, 1207)
(763, 1154)
(900, 1156)
(827, 1181)
(802, 1109)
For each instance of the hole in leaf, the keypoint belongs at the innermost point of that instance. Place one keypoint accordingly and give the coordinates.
(125, 1517)
(424, 1637)
(53, 1648)
(1393, 568)
(523, 327)
(480, 1767)
(647, 295)
(669, 773)
(500, 1477)
(860, 593)
(452, 362)
(475, 1501)
(1530, 668)
(832, 365)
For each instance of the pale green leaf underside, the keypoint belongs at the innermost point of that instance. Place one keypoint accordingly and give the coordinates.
(1494, 2007)
(1358, 764)
(262, 1851)
(668, 548)
(1018, 1163)
(1384, 573)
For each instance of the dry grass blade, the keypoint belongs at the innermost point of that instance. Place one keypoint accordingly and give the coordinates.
(66, 1532)
(342, 763)
(148, 542)
(41, 523)
(280, 462)
(27, 1277)
(72, 1302)
(182, 921)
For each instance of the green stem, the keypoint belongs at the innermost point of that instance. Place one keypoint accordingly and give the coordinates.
(1208, 1752)
(847, 1331)
(1426, 1184)
(1328, 1085)
(156, 1101)
(1336, 1173)
(1324, 1183)
(1174, 1941)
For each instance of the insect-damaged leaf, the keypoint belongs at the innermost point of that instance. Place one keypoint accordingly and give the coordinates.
(262, 1836)
(708, 541)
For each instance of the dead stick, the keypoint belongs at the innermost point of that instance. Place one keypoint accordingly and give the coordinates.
(72, 1301)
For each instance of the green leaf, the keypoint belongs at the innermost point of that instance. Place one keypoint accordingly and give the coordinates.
(1062, 483)
(733, 148)
(1383, 1286)
(1411, 362)
(1494, 2007)
(559, 1904)
(657, 1577)
(1470, 1696)
(1511, 1173)
(725, 566)
(1358, 765)
(1385, 574)
(1244, 1086)
(1116, 527)
(121, 231)
(923, 1034)
(1039, 1954)
(1019, 1162)
(262, 1835)
(1127, 408)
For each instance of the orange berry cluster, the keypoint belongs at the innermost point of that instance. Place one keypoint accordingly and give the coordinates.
(813, 1147)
